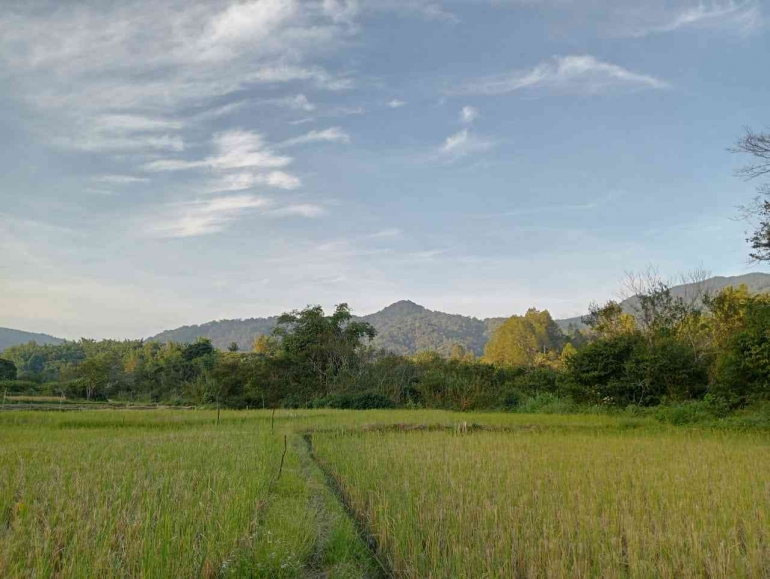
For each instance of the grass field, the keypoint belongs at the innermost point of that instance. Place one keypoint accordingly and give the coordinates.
(170, 494)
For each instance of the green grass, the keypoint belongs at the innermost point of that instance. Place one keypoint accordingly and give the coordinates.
(165, 494)
(168, 493)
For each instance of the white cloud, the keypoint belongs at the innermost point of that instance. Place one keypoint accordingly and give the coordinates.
(234, 150)
(568, 73)
(385, 233)
(120, 179)
(468, 114)
(103, 73)
(127, 143)
(463, 143)
(341, 10)
(396, 103)
(205, 217)
(743, 17)
(332, 135)
(134, 124)
(242, 181)
(299, 102)
(300, 209)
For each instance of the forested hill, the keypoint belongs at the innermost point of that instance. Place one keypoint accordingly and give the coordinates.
(406, 327)
(9, 337)
(403, 327)
(222, 333)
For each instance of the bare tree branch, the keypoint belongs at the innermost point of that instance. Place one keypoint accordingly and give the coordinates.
(758, 146)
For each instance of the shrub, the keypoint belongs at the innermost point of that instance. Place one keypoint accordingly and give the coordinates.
(547, 403)
(20, 387)
(7, 370)
(358, 401)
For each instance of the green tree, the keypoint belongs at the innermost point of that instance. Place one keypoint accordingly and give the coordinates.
(7, 370)
(233, 347)
(325, 344)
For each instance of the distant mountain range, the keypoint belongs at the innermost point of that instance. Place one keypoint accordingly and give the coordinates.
(9, 337)
(403, 327)
(406, 327)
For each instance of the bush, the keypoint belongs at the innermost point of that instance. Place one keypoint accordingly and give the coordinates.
(742, 370)
(536, 380)
(691, 412)
(7, 370)
(20, 387)
(547, 403)
(360, 401)
(629, 369)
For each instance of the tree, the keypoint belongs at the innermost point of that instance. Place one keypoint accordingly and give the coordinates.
(7, 370)
(265, 345)
(233, 347)
(326, 344)
(460, 354)
(609, 320)
(525, 340)
(757, 213)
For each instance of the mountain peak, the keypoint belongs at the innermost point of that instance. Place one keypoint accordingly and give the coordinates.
(403, 307)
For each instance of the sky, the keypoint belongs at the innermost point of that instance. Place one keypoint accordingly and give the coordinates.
(171, 162)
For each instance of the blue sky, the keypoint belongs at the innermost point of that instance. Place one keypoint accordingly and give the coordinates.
(170, 162)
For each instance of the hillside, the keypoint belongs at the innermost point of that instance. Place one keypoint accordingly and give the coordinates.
(222, 332)
(9, 337)
(406, 327)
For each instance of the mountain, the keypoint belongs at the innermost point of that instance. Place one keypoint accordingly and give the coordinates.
(9, 337)
(406, 327)
(222, 333)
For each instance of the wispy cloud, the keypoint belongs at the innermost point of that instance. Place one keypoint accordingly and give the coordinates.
(205, 217)
(385, 233)
(243, 181)
(468, 114)
(396, 103)
(462, 143)
(301, 209)
(235, 149)
(743, 17)
(568, 73)
(120, 179)
(331, 135)
(81, 63)
(563, 207)
(298, 102)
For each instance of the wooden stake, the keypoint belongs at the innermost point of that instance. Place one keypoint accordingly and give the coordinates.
(280, 468)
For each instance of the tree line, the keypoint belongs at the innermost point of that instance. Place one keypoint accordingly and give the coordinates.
(714, 348)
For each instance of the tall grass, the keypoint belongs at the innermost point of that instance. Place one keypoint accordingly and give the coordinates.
(165, 494)
(560, 503)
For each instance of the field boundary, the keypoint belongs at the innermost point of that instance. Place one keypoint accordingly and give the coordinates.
(360, 524)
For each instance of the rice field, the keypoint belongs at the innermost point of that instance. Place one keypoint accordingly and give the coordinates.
(407, 494)
(559, 503)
